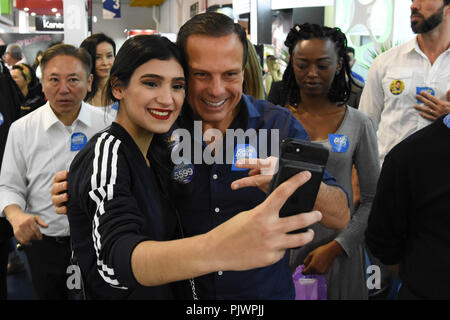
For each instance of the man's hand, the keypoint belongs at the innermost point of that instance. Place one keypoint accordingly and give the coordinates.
(319, 260)
(260, 174)
(59, 191)
(331, 200)
(25, 226)
(259, 237)
(433, 107)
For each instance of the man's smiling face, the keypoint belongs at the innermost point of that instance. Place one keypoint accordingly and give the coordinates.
(215, 77)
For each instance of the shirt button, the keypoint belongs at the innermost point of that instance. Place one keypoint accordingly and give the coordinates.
(217, 210)
(215, 176)
(220, 273)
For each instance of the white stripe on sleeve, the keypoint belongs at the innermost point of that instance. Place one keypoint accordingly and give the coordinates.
(99, 193)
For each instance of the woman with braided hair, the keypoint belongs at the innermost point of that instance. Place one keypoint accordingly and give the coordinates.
(316, 86)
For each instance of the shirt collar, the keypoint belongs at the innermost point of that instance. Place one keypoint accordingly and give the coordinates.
(51, 119)
(252, 111)
(413, 45)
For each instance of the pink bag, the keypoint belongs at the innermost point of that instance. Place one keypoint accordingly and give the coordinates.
(310, 287)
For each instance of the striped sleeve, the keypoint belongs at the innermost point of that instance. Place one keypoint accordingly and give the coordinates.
(116, 218)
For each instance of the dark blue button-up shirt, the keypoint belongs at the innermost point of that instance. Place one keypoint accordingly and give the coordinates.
(210, 201)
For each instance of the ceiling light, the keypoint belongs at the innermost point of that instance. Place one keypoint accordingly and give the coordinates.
(54, 10)
(26, 9)
(33, 14)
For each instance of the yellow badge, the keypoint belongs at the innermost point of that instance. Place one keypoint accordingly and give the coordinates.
(397, 87)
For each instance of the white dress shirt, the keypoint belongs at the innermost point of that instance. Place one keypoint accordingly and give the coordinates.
(392, 109)
(110, 110)
(38, 146)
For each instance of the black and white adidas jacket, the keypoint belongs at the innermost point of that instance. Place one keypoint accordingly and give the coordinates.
(114, 204)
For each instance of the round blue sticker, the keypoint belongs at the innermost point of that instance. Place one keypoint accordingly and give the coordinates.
(183, 173)
(447, 120)
(339, 142)
(243, 151)
(77, 141)
(1, 119)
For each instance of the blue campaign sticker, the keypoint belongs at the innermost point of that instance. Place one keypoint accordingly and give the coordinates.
(115, 106)
(426, 89)
(243, 151)
(447, 121)
(1, 119)
(183, 173)
(339, 142)
(77, 141)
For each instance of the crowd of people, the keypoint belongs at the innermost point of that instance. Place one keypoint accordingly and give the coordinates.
(103, 135)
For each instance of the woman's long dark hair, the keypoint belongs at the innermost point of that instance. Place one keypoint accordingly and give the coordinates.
(341, 87)
(90, 45)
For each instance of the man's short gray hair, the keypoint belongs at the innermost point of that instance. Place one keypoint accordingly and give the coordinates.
(15, 50)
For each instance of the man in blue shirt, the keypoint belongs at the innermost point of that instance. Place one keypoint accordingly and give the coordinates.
(216, 51)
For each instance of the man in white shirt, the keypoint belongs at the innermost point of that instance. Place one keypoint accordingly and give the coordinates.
(406, 87)
(38, 145)
(13, 55)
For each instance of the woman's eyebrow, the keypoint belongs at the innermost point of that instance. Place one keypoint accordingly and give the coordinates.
(157, 76)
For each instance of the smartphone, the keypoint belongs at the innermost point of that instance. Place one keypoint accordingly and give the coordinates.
(296, 156)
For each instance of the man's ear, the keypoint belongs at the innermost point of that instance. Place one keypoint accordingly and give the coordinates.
(90, 80)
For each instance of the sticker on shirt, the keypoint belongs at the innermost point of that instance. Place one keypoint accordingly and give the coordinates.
(397, 87)
(1, 119)
(339, 142)
(115, 106)
(243, 151)
(447, 121)
(426, 89)
(77, 141)
(183, 172)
